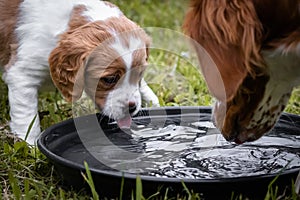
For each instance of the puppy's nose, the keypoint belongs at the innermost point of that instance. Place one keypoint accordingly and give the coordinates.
(132, 107)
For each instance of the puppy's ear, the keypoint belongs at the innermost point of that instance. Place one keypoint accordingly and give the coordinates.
(66, 67)
(68, 59)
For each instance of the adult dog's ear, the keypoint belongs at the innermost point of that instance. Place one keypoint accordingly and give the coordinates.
(231, 34)
(68, 59)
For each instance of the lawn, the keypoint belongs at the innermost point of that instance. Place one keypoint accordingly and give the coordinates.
(25, 173)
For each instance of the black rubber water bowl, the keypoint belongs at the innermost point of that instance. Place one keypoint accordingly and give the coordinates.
(170, 146)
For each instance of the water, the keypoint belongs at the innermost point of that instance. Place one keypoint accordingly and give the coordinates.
(191, 150)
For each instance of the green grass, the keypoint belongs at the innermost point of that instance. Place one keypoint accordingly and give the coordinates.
(25, 173)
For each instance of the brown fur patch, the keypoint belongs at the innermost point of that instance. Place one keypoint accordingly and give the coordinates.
(281, 25)
(239, 109)
(231, 33)
(76, 45)
(70, 55)
(103, 62)
(8, 41)
(76, 19)
(109, 4)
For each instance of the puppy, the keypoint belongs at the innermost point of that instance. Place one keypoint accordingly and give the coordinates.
(251, 60)
(85, 45)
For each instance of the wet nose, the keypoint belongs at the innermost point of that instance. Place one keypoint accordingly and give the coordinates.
(239, 137)
(229, 137)
(132, 107)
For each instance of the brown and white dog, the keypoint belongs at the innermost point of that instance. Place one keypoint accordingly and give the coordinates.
(89, 46)
(255, 46)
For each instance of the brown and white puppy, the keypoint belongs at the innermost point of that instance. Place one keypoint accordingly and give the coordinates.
(89, 46)
(255, 46)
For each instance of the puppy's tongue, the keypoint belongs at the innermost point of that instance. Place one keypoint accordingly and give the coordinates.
(125, 122)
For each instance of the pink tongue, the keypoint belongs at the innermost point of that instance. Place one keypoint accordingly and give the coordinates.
(124, 122)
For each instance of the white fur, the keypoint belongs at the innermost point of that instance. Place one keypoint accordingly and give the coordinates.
(38, 29)
(148, 95)
(126, 52)
(284, 73)
(117, 100)
(96, 12)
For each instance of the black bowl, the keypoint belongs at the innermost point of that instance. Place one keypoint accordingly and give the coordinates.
(59, 140)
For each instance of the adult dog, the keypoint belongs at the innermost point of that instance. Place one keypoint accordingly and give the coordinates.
(250, 60)
(255, 46)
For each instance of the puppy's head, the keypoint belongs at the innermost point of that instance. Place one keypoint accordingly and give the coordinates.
(107, 60)
(116, 70)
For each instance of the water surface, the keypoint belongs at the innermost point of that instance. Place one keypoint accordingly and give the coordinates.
(190, 150)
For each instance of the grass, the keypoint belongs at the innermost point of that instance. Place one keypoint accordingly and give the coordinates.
(25, 173)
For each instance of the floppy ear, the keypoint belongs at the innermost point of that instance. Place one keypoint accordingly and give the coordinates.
(231, 32)
(68, 59)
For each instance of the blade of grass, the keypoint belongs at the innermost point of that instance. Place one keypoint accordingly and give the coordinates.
(294, 192)
(14, 185)
(186, 189)
(90, 181)
(30, 127)
(296, 185)
(132, 195)
(1, 189)
(139, 189)
(153, 195)
(122, 187)
(62, 195)
(191, 195)
(232, 196)
(38, 190)
(50, 192)
(270, 192)
(26, 188)
(166, 194)
(29, 194)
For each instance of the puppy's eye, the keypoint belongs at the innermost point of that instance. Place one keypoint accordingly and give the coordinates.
(110, 80)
